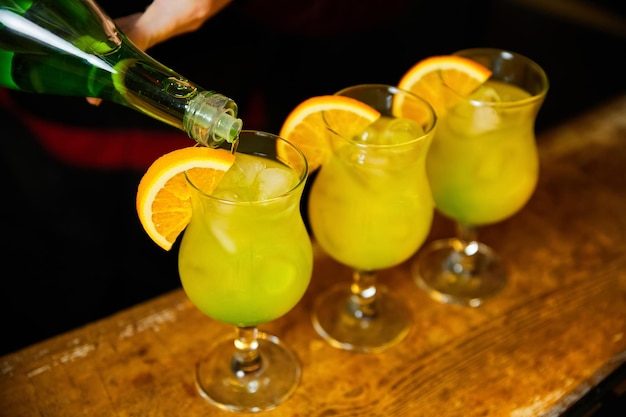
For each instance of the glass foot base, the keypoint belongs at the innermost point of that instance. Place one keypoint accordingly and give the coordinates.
(335, 321)
(452, 277)
(256, 391)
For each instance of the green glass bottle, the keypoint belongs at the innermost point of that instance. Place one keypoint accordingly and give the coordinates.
(71, 47)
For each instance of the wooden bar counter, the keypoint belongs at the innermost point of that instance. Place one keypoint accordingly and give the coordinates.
(557, 329)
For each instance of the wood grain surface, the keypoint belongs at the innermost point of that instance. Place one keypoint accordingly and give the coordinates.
(555, 331)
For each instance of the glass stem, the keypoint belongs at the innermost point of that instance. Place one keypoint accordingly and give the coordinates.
(362, 302)
(466, 233)
(246, 358)
(463, 261)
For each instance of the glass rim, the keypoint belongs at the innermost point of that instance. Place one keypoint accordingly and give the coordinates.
(539, 96)
(392, 90)
(302, 176)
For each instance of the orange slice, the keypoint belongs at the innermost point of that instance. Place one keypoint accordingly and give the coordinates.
(305, 126)
(428, 76)
(163, 196)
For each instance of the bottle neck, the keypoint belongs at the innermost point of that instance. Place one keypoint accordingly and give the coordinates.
(71, 47)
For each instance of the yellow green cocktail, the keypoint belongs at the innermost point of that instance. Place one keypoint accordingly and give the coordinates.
(370, 208)
(483, 164)
(246, 259)
(483, 168)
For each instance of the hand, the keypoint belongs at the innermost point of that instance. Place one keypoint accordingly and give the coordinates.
(164, 19)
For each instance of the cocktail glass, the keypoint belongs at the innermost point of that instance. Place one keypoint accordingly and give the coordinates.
(246, 259)
(483, 168)
(370, 208)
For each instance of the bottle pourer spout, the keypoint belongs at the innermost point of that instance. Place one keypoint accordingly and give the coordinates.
(227, 127)
(211, 119)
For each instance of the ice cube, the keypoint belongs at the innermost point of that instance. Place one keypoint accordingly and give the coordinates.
(364, 137)
(390, 131)
(477, 115)
(400, 131)
(229, 187)
(229, 194)
(486, 94)
(250, 167)
(485, 118)
(236, 183)
(272, 182)
(231, 179)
